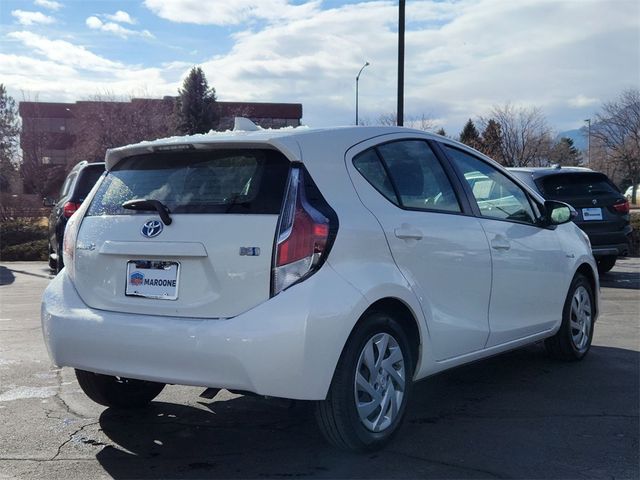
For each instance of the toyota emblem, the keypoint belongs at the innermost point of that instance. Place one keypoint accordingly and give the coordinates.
(151, 228)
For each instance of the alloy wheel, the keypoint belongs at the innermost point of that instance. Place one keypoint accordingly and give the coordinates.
(380, 382)
(580, 317)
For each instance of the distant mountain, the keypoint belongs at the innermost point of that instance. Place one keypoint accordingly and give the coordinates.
(578, 136)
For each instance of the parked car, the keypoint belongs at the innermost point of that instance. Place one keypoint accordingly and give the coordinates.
(603, 212)
(335, 265)
(75, 189)
(628, 194)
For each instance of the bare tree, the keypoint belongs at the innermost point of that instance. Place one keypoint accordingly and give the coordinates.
(525, 134)
(389, 119)
(38, 176)
(106, 121)
(617, 132)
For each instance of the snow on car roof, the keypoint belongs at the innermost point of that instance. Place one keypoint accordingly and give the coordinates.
(279, 138)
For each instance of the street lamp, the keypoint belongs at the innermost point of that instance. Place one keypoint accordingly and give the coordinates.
(357, 80)
(588, 120)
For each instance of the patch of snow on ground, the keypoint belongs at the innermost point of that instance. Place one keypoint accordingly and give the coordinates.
(21, 393)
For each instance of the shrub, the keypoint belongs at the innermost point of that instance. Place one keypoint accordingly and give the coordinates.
(15, 232)
(23, 239)
(35, 250)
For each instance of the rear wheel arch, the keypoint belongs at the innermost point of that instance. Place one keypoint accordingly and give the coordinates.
(402, 314)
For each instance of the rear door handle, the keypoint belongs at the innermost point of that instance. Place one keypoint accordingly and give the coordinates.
(499, 242)
(408, 233)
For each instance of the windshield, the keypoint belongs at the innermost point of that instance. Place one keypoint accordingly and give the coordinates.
(575, 185)
(213, 181)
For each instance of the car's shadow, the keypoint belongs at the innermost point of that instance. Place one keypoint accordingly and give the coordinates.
(6, 276)
(519, 415)
(618, 279)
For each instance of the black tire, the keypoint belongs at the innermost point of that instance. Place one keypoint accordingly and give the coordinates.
(606, 263)
(59, 262)
(117, 392)
(337, 415)
(562, 345)
(52, 263)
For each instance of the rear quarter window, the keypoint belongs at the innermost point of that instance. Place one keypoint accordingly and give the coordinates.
(247, 181)
(87, 178)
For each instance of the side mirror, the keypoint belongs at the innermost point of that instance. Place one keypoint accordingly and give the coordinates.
(557, 213)
(48, 202)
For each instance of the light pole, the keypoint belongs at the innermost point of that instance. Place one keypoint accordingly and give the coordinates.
(400, 112)
(357, 80)
(588, 120)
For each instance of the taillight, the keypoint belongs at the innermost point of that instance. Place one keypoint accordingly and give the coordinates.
(69, 243)
(622, 207)
(70, 208)
(304, 235)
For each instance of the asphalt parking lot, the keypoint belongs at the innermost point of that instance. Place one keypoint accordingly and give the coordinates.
(520, 415)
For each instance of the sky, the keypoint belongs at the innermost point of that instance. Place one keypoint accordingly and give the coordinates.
(462, 56)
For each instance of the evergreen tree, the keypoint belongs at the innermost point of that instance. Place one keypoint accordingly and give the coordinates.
(441, 132)
(565, 153)
(197, 112)
(492, 140)
(9, 130)
(470, 136)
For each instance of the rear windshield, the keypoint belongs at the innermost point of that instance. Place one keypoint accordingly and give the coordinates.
(87, 179)
(248, 181)
(576, 185)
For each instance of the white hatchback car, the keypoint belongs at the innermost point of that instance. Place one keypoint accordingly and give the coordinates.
(335, 265)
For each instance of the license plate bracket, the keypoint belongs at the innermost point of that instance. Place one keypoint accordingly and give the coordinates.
(589, 214)
(156, 279)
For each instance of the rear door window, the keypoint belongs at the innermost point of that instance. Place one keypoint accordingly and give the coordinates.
(247, 181)
(409, 174)
(418, 176)
(66, 186)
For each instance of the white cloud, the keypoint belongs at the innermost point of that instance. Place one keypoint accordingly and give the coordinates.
(31, 18)
(57, 70)
(582, 101)
(461, 58)
(225, 12)
(65, 53)
(49, 4)
(121, 16)
(95, 23)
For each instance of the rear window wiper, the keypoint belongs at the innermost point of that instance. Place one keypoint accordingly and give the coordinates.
(149, 205)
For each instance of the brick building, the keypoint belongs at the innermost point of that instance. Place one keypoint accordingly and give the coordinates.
(50, 131)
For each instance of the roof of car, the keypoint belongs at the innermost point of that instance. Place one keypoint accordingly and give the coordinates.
(284, 139)
(537, 172)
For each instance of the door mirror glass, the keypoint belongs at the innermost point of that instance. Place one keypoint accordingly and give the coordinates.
(558, 212)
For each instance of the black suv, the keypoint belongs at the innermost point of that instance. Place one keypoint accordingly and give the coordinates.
(603, 212)
(75, 188)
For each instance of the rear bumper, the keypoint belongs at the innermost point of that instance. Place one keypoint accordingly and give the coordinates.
(617, 249)
(611, 243)
(285, 347)
(611, 250)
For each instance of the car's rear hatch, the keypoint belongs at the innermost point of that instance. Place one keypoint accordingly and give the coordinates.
(214, 258)
(599, 204)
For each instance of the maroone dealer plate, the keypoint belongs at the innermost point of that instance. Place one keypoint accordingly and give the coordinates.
(592, 214)
(153, 279)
